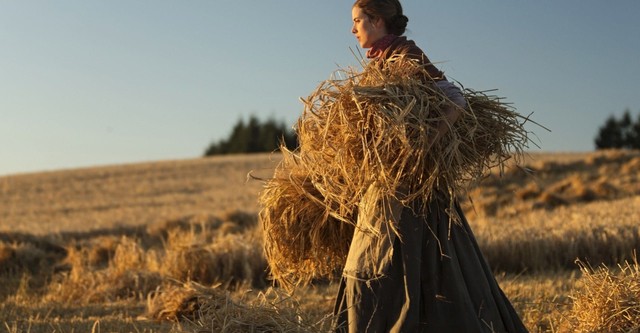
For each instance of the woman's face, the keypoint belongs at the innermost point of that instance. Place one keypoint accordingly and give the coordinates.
(367, 31)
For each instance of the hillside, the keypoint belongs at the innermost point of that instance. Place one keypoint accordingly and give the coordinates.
(140, 247)
(146, 193)
(130, 195)
(547, 181)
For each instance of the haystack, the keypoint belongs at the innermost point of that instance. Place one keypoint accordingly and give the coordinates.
(374, 127)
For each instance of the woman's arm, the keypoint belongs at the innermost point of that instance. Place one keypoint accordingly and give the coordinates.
(452, 112)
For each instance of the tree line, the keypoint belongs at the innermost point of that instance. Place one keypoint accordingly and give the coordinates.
(254, 136)
(622, 133)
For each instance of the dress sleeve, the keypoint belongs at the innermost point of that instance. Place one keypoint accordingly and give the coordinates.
(414, 52)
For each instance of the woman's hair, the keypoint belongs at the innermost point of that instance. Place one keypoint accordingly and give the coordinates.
(390, 11)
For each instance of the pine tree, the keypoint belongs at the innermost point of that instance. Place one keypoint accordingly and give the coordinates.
(634, 134)
(253, 137)
(623, 133)
(609, 135)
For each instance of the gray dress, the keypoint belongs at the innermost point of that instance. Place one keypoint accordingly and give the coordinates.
(429, 276)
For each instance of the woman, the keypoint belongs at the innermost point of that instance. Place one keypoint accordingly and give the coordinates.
(427, 275)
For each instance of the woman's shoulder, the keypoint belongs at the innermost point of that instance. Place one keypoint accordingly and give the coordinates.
(402, 45)
(405, 46)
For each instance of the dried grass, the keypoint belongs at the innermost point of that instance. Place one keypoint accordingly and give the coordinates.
(537, 240)
(126, 276)
(17, 258)
(298, 229)
(177, 302)
(194, 248)
(6, 253)
(608, 301)
(231, 260)
(210, 309)
(376, 126)
(542, 301)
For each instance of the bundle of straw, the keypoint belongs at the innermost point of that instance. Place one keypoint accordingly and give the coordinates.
(608, 299)
(375, 127)
(210, 309)
(304, 238)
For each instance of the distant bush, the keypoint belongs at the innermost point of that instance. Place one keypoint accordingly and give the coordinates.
(619, 133)
(254, 136)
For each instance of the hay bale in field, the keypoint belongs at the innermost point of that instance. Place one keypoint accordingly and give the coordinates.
(375, 127)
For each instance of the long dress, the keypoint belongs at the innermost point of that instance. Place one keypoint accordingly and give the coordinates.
(430, 278)
(418, 272)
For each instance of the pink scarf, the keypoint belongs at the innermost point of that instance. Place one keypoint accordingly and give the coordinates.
(380, 46)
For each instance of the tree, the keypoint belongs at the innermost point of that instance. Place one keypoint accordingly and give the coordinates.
(253, 137)
(623, 133)
(610, 135)
(633, 139)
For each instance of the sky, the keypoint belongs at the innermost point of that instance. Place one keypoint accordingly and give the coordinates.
(86, 83)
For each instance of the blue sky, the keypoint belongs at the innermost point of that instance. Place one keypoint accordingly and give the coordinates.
(86, 83)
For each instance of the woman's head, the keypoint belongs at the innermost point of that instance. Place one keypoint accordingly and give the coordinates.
(372, 19)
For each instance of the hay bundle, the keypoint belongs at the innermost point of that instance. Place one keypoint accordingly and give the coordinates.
(374, 127)
(175, 302)
(209, 309)
(608, 301)
(303, 239)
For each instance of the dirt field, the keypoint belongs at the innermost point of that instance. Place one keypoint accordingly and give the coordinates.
(141, 247)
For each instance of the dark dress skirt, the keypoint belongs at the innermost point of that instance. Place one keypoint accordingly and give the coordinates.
(436, 280)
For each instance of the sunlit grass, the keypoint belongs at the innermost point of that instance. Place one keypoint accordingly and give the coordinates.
(143, 248)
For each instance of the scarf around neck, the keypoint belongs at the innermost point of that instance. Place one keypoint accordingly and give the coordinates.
(380, 46)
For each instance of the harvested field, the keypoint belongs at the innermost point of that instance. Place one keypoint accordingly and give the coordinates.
(91, 199)
(175, 246)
